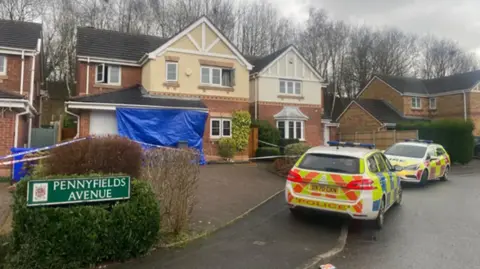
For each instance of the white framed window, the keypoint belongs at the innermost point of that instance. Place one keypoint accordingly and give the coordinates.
(290, 87)
(108, 74)
(432, 103)
(291, 129)
(3, 65)
(416, 103)
(217, 76)
(172, 71)
(220, 127)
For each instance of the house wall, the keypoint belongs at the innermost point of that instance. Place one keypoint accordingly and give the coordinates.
(474, 110)
(449, 107)
(379, 90)
(130, 75)
(11, 81)
(7, 133)
(423, 111)
(355, 119)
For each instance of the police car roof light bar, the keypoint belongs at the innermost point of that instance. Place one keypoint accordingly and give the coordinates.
(350, 144)
(419, 141)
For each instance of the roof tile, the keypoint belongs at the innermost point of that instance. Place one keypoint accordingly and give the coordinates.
(21, 35)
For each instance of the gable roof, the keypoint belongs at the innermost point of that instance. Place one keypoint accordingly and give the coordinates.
(379, 109)
(259, 62)
(138, 96)
(6, 94)
(19, 35)
(405, 84)
(115, 45)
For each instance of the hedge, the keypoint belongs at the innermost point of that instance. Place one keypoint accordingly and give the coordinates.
(285, 142)
(76, 236)
(227, 147)
(267, 133)
(455, 135)
(267, 151)
(296, 149)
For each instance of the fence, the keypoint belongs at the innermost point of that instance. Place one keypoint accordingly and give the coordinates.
(253, 142)
(381, 139)
(44, 136)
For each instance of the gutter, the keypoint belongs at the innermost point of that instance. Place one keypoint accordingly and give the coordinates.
(113, 106)
(78, 121)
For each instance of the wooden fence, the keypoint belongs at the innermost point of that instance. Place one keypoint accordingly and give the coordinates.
(381, 139)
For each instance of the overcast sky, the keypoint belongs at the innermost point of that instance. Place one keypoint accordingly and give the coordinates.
(455, 19)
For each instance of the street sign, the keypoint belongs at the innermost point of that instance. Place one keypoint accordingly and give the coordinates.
(77, 190)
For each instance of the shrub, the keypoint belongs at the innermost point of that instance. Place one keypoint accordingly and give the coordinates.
(241, 121)
(455, 135)
(267, 133)
(4, 249)
(226, 147)
(283, 165)
(75, 236)
(285, 142)
(105, 155)
(174, 176)
(296, 149)
(267, 151)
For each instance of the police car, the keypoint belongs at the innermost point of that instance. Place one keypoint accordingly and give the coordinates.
(422, 160)
(349, 178)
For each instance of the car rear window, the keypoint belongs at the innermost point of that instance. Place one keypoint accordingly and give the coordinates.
(410, 151)
(331, 163)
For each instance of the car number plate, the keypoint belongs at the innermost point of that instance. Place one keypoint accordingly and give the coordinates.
(323, 188)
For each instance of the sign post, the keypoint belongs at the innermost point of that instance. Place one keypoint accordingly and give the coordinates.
(77, 190)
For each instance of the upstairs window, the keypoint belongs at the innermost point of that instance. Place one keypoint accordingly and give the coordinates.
(172, 71)
(432, 103)
(3, 65)
(290, 87)
(108, 74)
(416, 103)
(217, 76)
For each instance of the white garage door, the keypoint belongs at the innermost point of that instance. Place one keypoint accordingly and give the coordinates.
(103, 123)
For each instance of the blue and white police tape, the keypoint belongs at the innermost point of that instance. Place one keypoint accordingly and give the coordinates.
(24, 160)
(42, 148)
(270, 144)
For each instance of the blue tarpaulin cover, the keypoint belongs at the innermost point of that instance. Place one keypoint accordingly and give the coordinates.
(163, 127)
(18, 172)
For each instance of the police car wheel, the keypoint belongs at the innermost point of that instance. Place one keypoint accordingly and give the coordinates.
(445, 174)
(424, 179)
(295, 211)
(398, 200)
(381, 216)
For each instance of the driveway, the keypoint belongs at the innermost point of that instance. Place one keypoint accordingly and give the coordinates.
(436, 227)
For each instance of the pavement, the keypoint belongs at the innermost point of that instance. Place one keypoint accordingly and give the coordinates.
(436, 227)
(269, 237)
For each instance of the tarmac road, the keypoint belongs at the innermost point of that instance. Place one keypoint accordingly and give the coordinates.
(436, 227)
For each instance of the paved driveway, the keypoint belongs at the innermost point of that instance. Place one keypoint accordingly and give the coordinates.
(436, 227)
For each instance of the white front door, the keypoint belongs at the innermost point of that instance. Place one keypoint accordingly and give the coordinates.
(326, 134)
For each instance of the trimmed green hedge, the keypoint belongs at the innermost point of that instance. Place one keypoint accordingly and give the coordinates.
(296, 149)
(455, 135)
(283, 143)
(267, 133)
(267, 151)
(76, 236)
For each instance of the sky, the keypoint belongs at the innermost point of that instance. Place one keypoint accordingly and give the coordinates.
(455, 19)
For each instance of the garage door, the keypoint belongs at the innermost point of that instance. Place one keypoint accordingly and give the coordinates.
(103, 123)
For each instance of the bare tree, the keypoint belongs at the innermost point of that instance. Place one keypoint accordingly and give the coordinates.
(21, 10)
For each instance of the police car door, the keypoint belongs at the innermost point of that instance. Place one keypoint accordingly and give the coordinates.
(441, 162)
(432, 162)
(386, 179)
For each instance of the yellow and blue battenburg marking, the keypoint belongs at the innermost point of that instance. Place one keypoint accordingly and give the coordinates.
(350, 144)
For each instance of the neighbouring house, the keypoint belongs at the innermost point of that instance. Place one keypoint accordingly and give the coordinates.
(286, 90)
(387, 100)
(198, 69)
(21, 59)
(53, 104)
(333, 106)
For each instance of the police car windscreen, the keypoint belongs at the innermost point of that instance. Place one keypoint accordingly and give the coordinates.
(410, 151)
(331, 163)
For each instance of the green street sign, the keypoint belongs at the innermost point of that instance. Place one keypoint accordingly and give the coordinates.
(77, 190)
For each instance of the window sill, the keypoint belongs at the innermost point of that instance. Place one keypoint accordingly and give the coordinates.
(2, 76)
(432, 109)
(215, 88)
(416, 109)
(216, 138)
(107, 86)
(287, 96)
(171, 84)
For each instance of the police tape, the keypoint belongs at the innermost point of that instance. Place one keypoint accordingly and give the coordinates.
(272, 157)
(24, 160)
(42, 148)
(270, 144)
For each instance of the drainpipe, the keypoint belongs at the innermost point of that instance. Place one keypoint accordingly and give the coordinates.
(88, 75)
(30, 97)
(22, 71)
(256, 96)
(465, 105)
(17, 119)
(78, 121)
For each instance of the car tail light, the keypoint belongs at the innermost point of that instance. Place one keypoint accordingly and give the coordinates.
(361, 184)
(426, 163)
(294, 177)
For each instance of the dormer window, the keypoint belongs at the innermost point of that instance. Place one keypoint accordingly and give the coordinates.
(3, 65)
(108, 74)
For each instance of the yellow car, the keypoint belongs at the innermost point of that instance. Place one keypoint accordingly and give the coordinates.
(421, 160)
(347, 178)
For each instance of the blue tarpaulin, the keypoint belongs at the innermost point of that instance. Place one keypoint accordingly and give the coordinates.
(18, 172)
(163, 127)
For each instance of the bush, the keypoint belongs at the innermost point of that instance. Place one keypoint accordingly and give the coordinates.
(285, 142)
(267, 151)
(267, 133)
(241, 121)
(75, 236)
(283, 165)
(296, 149)
(226, 147)
(4, 249)
(105, 155)
(455, 135)
(174, 176)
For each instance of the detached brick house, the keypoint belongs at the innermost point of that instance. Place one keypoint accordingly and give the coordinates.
(197, 69)
(287, 91)
(20, 81)
(387, 100)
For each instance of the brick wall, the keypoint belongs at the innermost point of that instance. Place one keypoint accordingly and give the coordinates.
(449, 106)
(423, 111)
(381, 91)
(355, 119)
(313, 127)
(7, 134)
(130, 75)
(22, 131)
(84, 124)
(11, 81)
(473, 110)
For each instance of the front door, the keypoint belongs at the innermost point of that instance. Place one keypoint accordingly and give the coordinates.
(326, 134)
